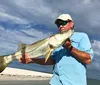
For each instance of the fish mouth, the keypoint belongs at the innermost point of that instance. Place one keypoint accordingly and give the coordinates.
(63, 31)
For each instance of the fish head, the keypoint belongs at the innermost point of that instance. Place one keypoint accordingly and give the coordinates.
(58, 39)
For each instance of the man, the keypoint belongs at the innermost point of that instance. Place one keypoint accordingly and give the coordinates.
(70, 59)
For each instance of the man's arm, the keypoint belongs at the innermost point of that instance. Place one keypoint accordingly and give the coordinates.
(81, 56)
(41, 61)
(25, 60)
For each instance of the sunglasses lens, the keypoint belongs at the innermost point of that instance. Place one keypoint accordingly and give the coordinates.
(61, 23)
(64, 23)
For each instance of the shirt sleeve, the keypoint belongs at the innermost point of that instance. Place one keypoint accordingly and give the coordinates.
(85, 45)
(53, 55)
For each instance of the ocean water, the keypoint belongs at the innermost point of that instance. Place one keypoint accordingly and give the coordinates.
(34, 82)
(41, 82)
(93, 82)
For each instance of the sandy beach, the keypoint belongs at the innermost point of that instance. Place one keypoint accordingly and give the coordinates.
(14, 76)
(20, 74)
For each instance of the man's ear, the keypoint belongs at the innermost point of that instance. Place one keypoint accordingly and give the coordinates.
(72, 24)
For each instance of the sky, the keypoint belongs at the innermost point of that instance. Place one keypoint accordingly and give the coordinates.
(28, 21)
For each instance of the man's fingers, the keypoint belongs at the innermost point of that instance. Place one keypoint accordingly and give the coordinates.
(24, 59)
(19, 60)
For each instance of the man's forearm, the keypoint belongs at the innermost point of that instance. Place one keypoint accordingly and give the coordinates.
(80, 56)
(41, 61)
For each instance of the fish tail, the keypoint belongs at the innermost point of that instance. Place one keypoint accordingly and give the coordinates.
(4, 61)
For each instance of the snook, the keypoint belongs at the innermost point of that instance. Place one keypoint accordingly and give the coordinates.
(40, 48)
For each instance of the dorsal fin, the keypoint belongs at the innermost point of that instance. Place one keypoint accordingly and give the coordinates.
(20, 46)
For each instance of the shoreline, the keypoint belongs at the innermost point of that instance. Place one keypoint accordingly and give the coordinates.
(20, 74)
(21, 77)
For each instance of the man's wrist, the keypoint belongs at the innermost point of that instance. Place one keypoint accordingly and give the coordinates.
(30, 60)
(70, 48)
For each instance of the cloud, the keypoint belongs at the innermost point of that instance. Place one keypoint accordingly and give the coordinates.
(94, 67)
(9, 39)
(12, 19)
(30, 11)
(85, 13)
(96, 47)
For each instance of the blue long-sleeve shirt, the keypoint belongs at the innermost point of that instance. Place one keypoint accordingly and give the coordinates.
(68, 70)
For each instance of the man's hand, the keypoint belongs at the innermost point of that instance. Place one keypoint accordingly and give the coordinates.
(67, 45)
(25, 59)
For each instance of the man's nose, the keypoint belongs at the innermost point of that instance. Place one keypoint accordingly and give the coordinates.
(60, 26)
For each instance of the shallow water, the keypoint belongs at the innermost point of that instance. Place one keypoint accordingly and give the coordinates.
(39, 82)
(19, 82)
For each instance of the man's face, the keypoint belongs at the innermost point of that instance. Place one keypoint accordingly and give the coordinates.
(64, 25)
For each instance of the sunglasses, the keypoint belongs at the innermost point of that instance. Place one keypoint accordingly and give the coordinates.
(60, 22)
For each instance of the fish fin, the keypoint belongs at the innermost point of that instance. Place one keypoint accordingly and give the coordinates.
(20, 46)
(4, 61)
(47, 55)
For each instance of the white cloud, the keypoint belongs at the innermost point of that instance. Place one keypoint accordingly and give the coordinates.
(44, 11)
(30, 11)
(94, 67)
(30, 35)
(1, 28)
(6, 17)
(96, 47)
(37, 8)
(9, 39)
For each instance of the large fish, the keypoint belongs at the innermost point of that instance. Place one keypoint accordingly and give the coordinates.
(40, 48)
